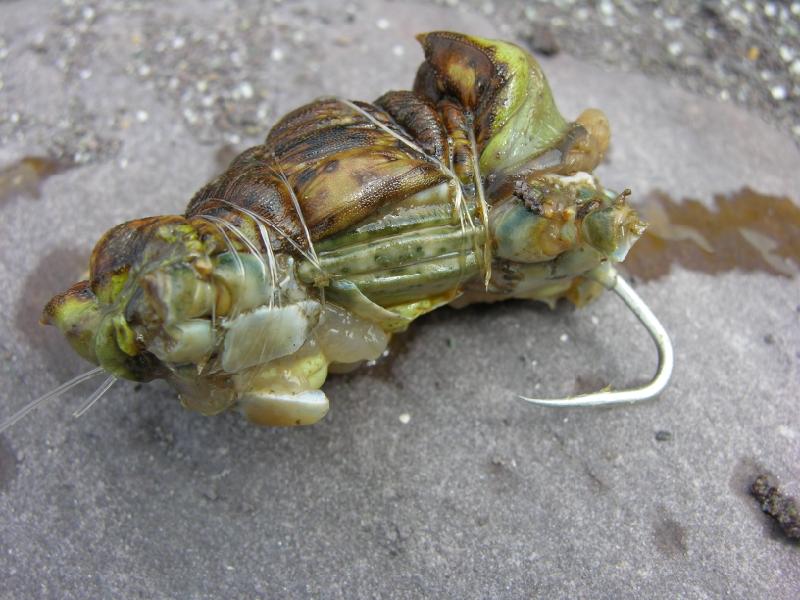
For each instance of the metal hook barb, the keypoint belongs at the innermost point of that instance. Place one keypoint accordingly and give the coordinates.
(613, 281)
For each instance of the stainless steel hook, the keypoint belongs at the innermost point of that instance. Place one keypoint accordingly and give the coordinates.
(611, 280)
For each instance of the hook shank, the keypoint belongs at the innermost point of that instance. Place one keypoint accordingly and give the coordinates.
(614, 282)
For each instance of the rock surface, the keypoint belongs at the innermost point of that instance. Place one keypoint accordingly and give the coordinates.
(428, 478)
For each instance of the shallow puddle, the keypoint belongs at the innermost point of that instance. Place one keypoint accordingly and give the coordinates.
(25, 177)
(744, 230)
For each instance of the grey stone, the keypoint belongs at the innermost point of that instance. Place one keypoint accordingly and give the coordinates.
(478, 494)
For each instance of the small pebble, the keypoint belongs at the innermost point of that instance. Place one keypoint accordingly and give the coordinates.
(246, 90)
(778, 92)
(190, 116)
(663, 436)
(738, 16)
(542, 40)
(675, 48)
(405, 418)
(564, 337)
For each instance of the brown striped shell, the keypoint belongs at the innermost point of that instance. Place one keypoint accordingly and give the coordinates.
(328, 165)
(333, 161)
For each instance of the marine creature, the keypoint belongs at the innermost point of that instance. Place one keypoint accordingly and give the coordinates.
(353, 219)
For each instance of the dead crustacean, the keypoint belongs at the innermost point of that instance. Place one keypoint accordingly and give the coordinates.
(350, 221)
